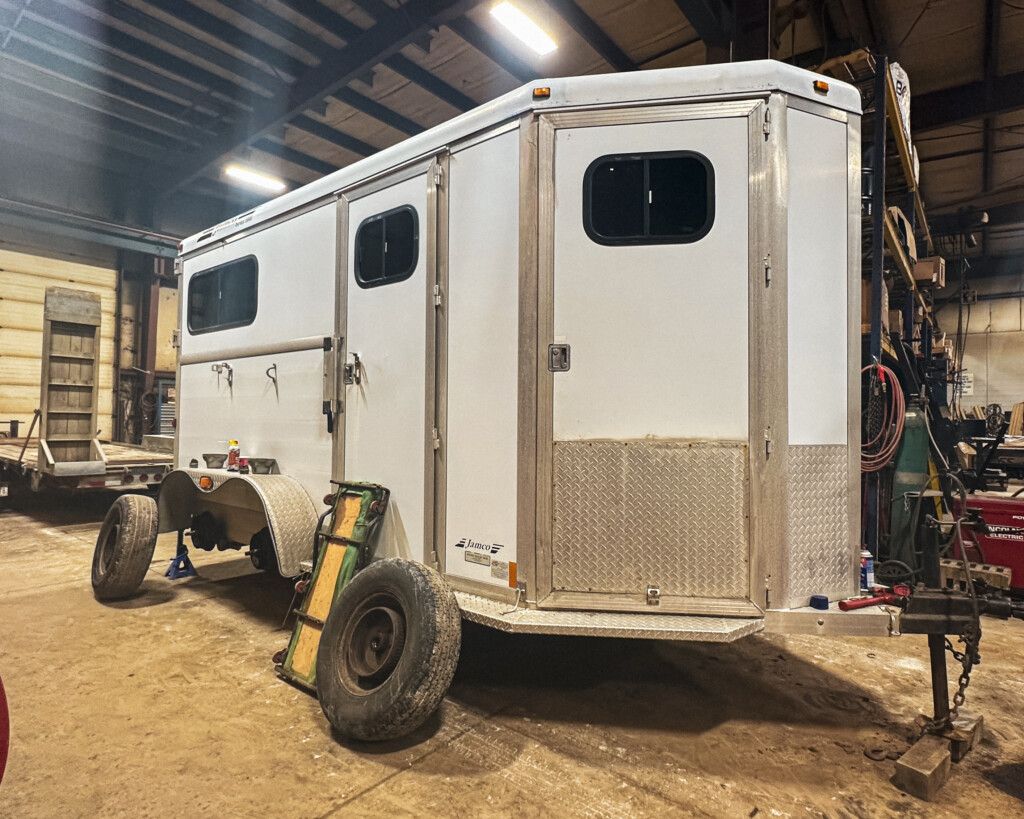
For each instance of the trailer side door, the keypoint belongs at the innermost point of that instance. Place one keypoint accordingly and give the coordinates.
(388, 408)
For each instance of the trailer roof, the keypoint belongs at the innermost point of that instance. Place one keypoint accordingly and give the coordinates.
(718, 80)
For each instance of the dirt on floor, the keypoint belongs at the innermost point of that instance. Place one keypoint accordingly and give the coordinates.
(168, 705)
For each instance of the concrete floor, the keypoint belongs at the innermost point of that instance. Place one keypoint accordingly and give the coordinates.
(167, 705)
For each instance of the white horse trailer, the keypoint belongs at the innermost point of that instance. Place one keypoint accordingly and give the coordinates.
(599, 338)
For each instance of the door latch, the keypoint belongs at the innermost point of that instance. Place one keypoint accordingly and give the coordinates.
(354, 371)
(558, 358)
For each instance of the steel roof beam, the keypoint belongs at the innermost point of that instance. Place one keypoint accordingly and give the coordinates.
(109, 38)
(50, 85)
(593, 34)
(294, 157)
(379, 112)
(104, 65)
(401, 64)
(345, 29)
(497, 52)
(96, 83)
(966, 103)
(374, 45)
(332, 135)
(709, 19)
(165, 32)
(76, 119)
(232, 36)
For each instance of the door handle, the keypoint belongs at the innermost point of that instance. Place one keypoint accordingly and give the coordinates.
(354, 370)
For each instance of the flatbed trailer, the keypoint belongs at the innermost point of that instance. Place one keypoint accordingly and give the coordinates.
(126, 467)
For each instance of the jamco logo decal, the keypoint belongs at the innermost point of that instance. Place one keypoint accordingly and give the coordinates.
(478, 552)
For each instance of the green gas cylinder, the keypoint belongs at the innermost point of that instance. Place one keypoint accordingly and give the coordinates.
(911, 476)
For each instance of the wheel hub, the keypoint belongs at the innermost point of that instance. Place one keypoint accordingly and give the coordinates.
(374, 643)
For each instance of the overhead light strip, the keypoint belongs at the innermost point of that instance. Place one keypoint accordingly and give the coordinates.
(254, 179)
(524, 28)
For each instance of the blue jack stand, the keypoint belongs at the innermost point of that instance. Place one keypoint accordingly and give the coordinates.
(181, 566)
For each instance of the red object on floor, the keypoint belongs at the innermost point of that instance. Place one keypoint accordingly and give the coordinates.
(5, 730)
(997, 548)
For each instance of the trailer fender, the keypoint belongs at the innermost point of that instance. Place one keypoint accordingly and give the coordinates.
(244, 504)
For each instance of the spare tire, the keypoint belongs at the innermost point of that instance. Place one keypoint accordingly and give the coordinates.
(388, 650)
(124, 548)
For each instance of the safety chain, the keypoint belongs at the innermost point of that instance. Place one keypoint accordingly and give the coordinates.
(968, 658)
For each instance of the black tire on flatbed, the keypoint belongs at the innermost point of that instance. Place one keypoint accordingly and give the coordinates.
(124, 548)
(388, 650)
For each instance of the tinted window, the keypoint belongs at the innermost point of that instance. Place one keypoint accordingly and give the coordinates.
(656, 198)
(386, 247)
(223, 296)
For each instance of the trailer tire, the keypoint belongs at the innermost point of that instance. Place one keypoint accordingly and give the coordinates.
(124, 548)
(388, 650)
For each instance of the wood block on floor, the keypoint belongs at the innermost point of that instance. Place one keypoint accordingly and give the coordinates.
(924, 769)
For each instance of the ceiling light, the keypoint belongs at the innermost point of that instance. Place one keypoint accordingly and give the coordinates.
(523, 27)
(255, 179)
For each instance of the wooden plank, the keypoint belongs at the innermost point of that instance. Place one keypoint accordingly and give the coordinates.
(27, 344)
(58, 270)
(28, 289)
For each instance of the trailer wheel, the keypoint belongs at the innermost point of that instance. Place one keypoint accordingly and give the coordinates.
(125, 547)
(388, 650)
(261, 551)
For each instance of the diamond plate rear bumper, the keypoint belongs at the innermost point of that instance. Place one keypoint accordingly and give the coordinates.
(606, 624)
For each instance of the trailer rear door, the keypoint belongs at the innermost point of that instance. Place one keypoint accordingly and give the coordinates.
(646, 357)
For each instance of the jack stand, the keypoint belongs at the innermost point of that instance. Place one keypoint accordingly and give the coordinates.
(925, 767)
(181, 565)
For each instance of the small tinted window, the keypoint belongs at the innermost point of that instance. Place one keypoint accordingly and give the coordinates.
(386, 248)
(656, 198)
(223, 296)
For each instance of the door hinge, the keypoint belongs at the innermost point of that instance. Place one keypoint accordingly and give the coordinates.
(437, 295)
(433, 561)
(438, 175)
(767, 127)
(435, 439)
(177, 266)
(767, 269)
(176, 339)
(767, 442)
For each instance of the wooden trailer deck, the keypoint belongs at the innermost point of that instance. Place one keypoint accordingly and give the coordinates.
(127, 465)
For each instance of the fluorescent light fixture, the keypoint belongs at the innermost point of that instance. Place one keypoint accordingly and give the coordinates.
(255, 179)
(523, 27)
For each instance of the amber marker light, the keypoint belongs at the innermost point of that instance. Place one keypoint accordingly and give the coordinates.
(821, 86)
(206, 482)
(541, 93)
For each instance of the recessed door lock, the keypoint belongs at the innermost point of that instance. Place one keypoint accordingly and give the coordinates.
(558, 358)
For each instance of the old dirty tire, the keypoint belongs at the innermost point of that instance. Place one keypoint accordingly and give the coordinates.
(125, 547)
(388, 650)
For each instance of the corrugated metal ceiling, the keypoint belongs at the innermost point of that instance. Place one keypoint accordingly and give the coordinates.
(145, 100)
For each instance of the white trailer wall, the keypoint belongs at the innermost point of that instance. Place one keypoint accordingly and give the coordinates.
(23, 282)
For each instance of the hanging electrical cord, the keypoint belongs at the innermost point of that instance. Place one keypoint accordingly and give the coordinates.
(886, 396)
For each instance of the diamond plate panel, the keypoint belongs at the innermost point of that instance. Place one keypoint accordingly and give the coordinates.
(606, 624)
(672, 514)
(820, 561)
(290, 512)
